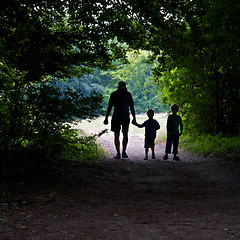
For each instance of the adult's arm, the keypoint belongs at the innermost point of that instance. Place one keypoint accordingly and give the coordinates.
(109, 108)
(138, 125)
(132, 109)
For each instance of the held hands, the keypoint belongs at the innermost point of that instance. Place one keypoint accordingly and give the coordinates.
(134, 122)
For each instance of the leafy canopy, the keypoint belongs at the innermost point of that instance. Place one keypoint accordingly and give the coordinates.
(196, 44)
(43, 41)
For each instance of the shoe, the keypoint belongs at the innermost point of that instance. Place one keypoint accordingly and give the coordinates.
(165, 157)
(146, 158)
(176, 158)
(124, 155)
(118, 156)
(153, 156)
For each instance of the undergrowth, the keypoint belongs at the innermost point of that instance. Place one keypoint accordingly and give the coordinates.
(81, 148)
(62, 149)
(212, 145)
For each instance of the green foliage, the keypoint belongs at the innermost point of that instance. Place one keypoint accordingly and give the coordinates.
(88, 83)
(137, 72)
(212, 145)
(80, 148)
(42, 40)
(138, 76)
(196, 45)
(50, 152)
(33, 118)
(55, 38)
(194, 98)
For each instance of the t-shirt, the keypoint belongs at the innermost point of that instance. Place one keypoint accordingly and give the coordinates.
(121, 100)
(173, 124)
(151, 126)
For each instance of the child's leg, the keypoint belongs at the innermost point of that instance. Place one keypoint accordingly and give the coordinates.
(168, 144)
(175, 144)
(146, 146)
(175, 148)
(168, 147)
(153, 152)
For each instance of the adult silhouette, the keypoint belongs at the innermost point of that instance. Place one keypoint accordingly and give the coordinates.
(121, 100)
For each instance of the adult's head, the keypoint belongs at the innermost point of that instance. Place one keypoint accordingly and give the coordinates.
(122, 85)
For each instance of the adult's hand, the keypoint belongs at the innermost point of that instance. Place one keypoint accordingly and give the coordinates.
(105, 121)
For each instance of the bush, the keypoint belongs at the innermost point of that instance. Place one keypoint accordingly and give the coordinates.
(212, 145)
(80, 148)
(32, 125)
(56, 151)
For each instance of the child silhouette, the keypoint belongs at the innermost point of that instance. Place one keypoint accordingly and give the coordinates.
(174, 122)
(151, 126)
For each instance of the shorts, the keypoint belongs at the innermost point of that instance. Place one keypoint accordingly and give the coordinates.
(149, 143)
(117, 125)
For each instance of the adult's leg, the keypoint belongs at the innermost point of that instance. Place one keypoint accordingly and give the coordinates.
(117, 141)
(125, 140)
(146, 154)
(125, 127)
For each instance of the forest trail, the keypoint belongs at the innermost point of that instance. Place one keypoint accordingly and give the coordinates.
(128, 199)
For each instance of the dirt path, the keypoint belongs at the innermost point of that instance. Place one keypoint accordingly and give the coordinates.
(129, 199)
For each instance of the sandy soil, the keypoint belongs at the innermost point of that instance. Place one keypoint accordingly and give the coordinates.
(127, 199)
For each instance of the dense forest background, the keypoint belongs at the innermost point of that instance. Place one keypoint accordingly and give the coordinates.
(137, 73)
(191, 46)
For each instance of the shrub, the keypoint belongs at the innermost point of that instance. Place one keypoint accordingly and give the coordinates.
(212, 145)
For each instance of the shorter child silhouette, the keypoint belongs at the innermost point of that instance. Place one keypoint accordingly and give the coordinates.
(151, 126)
(174, 122)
